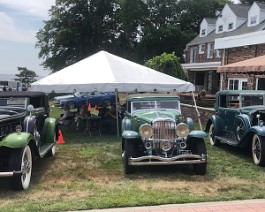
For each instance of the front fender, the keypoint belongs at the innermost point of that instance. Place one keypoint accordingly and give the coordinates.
(129, 134)
(197, 134)
(259, 130)
(126, 124)
(190, 123)
(49, 130)
(217, 122)
(16, 140)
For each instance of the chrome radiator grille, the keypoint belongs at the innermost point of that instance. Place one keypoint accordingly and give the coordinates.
(163, 131)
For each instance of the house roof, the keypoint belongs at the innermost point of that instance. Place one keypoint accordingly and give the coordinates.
(256, 64)
(261, 5)
(211, 20)
(240, 11)
(243, 29)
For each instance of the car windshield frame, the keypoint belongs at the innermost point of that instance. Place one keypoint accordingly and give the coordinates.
(165, 104)
(13, 102)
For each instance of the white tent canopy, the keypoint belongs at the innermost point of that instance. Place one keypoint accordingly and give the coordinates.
(106, 72)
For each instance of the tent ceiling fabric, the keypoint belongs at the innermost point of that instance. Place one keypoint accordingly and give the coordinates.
(256, 64)
(106, 72)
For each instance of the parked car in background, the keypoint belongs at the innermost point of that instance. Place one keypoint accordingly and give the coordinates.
(57, 99)
(155, 133)
(92, 98)
(27, 133)
(239, 122)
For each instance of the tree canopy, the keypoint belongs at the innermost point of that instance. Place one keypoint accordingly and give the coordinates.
(168, 64)
(136, 30)
(26, 76)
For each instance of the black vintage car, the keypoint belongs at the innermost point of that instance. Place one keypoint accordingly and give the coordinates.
(26, 133)
(154, 132)
(239, 122)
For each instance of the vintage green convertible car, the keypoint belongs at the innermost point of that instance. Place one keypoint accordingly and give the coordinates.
(239, 121)
(26, 133)
(155, 133)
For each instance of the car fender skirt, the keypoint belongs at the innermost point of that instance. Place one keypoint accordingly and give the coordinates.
(128, 134)
(197, 134)
(16, 140)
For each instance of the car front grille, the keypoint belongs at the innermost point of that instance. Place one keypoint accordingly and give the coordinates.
(163, 135)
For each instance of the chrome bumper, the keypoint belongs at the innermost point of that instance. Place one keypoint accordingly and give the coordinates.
(157, 160)
(11, 174)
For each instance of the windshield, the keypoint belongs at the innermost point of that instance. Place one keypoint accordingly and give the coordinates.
(156, 104)
(18, 102)
(250, 100)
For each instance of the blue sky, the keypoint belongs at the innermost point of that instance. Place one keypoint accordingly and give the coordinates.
(20, 20)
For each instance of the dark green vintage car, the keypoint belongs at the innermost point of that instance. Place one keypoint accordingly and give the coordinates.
(239, 121)
(155, 133)
(26, 133)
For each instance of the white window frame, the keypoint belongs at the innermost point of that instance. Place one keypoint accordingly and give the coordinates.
(193, 55)
(220, 28)
(253, 20)
(240, 82)
(210, 50)
(201, 48)
(218, 53)
(203, 32)
(232, 26)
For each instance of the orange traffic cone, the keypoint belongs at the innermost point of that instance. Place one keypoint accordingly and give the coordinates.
(60, 138)
(89, 107)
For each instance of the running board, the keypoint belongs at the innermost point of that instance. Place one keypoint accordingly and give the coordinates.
(226, 140)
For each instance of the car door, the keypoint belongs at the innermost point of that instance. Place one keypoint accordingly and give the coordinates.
(228, 111)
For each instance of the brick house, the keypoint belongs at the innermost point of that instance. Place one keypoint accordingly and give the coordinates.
(235, 35)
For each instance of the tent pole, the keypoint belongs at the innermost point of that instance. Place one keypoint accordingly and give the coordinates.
(198, 113)
(117, 115)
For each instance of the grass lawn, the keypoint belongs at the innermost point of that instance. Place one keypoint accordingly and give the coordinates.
(87, 173)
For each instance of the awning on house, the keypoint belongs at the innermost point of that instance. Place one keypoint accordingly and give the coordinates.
(256, 64)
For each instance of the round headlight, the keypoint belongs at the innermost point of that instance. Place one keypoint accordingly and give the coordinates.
(146, 131)
(182, 130)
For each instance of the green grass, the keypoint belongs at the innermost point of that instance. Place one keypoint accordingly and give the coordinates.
(87, 173)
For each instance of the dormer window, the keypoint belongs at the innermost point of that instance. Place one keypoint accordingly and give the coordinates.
(220, 28)
(203, 32)
(253, 20)
(230, 26)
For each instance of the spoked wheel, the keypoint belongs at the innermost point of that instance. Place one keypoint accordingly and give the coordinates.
(258, 150)
(240, 128)
(21, 160)
(211, 136)
(200, 149)
(127, 154)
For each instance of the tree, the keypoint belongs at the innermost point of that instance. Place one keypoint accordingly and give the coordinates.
(168, 64)
(136, 30)
(249, 2)
(76, 30)
(192, 12)
(26, 76)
